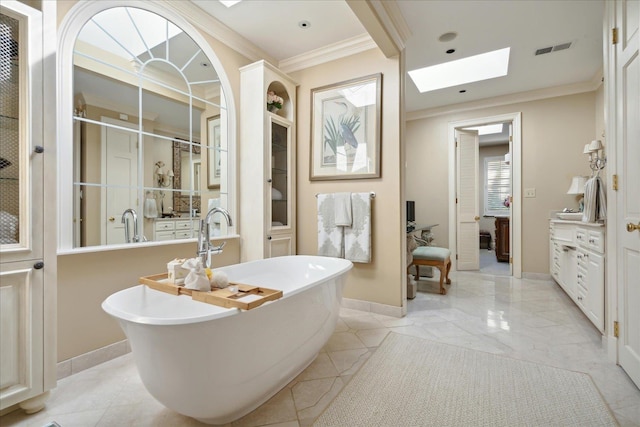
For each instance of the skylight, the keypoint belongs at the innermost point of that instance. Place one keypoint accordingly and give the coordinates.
(466, 70)
(229, 3)
(487, 129)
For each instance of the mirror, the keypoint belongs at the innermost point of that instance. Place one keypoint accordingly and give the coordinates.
(186, 158)
(144, 93)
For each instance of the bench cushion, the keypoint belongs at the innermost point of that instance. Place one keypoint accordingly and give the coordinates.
(431, 253)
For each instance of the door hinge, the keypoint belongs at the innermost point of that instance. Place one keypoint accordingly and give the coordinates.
(616, 329)
(510, 138)
(510, 260)
(614, 185)
(614, 36)
(456, 257)
(456, 200)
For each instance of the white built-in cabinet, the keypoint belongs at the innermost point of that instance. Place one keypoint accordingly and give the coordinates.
(175, 228)
(27, 213)
(576, 259)
(267, 164)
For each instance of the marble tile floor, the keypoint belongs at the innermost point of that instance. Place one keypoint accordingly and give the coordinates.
(524, 319)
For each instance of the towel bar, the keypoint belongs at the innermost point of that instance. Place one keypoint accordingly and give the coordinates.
(372, 194)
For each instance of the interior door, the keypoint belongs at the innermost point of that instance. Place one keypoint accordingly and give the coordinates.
(120, 174)
(468, 215)
(627, 70)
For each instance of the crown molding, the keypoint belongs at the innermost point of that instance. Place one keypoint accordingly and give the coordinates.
(328, 53)
(393, 21)
(216, 29)
(532, 95)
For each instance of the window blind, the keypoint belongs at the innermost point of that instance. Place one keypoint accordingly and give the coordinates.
(497, 186)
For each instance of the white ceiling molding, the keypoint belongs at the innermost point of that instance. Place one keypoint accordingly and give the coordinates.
(371, 21)
(532, 95)
(217, 30)
(328, 53)
(393, 21)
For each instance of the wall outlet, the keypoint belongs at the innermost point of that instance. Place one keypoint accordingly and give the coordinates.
(529, 192)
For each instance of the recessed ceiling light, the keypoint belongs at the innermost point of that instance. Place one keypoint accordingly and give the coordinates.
(229, 3)
(304, 24)
(447, 37)
(466, 70)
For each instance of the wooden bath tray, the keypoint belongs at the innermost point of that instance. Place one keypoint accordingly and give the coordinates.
(160, 282)
(248, 296)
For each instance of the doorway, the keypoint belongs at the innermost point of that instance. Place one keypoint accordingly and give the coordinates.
(509, 237)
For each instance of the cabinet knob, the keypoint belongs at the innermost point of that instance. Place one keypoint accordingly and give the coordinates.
(268, 237)
(38, 149)
(111, 219)
(269, 180)
(38, 265)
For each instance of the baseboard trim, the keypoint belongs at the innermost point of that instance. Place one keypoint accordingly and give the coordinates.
(93, 358)
(374, 307)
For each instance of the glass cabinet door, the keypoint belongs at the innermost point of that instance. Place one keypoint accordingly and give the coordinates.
(280, 169)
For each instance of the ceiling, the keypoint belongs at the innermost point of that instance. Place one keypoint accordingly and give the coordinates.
(481, 26)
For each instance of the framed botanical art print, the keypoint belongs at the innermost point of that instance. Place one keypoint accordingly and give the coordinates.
(345, 129)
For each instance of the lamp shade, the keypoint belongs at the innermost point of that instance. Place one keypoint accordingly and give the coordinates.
(595, 145)
(577, 185)
(587, 149)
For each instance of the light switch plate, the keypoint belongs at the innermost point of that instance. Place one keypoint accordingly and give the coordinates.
(529, 192)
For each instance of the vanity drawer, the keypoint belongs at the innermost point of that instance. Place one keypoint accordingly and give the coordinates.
(164, 235)
(164, 225)
(564, 233)
(595, 240)
(183, 225)
(184, 234)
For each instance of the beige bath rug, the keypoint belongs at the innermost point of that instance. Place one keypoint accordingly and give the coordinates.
(415, 382)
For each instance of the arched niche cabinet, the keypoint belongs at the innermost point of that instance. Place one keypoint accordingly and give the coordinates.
(268, 158)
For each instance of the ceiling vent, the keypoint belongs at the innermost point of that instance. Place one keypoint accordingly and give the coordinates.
(555, 48)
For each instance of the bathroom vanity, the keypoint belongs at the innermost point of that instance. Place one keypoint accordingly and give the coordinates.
(175, 228)
(576, 260)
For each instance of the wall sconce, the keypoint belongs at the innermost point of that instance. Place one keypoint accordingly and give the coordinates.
(577, 187)
(597, 159)
(163, 179)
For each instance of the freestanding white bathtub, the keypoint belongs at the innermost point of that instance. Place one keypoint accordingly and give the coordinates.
(216, 364)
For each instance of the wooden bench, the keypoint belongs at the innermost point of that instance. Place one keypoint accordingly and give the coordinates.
(433, 256)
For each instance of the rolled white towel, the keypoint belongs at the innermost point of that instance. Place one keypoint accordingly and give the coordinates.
(219, 280)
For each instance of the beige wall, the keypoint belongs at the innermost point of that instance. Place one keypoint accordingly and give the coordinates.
(554, 132)
(381, 280)
(85, 280)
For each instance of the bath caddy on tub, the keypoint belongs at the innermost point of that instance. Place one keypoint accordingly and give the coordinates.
(248, 296)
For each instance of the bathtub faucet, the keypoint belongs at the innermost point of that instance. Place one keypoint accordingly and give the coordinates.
(125, 221)
(205, 248)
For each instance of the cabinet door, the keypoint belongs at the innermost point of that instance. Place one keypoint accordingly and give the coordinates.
(595, 289)
(21, 139)
(21, 326)
(280, 149)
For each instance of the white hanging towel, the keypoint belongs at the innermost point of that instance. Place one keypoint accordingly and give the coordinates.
(342, 206)
(150, 207)
(330, 237)
(595, 202)
(357, 237)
